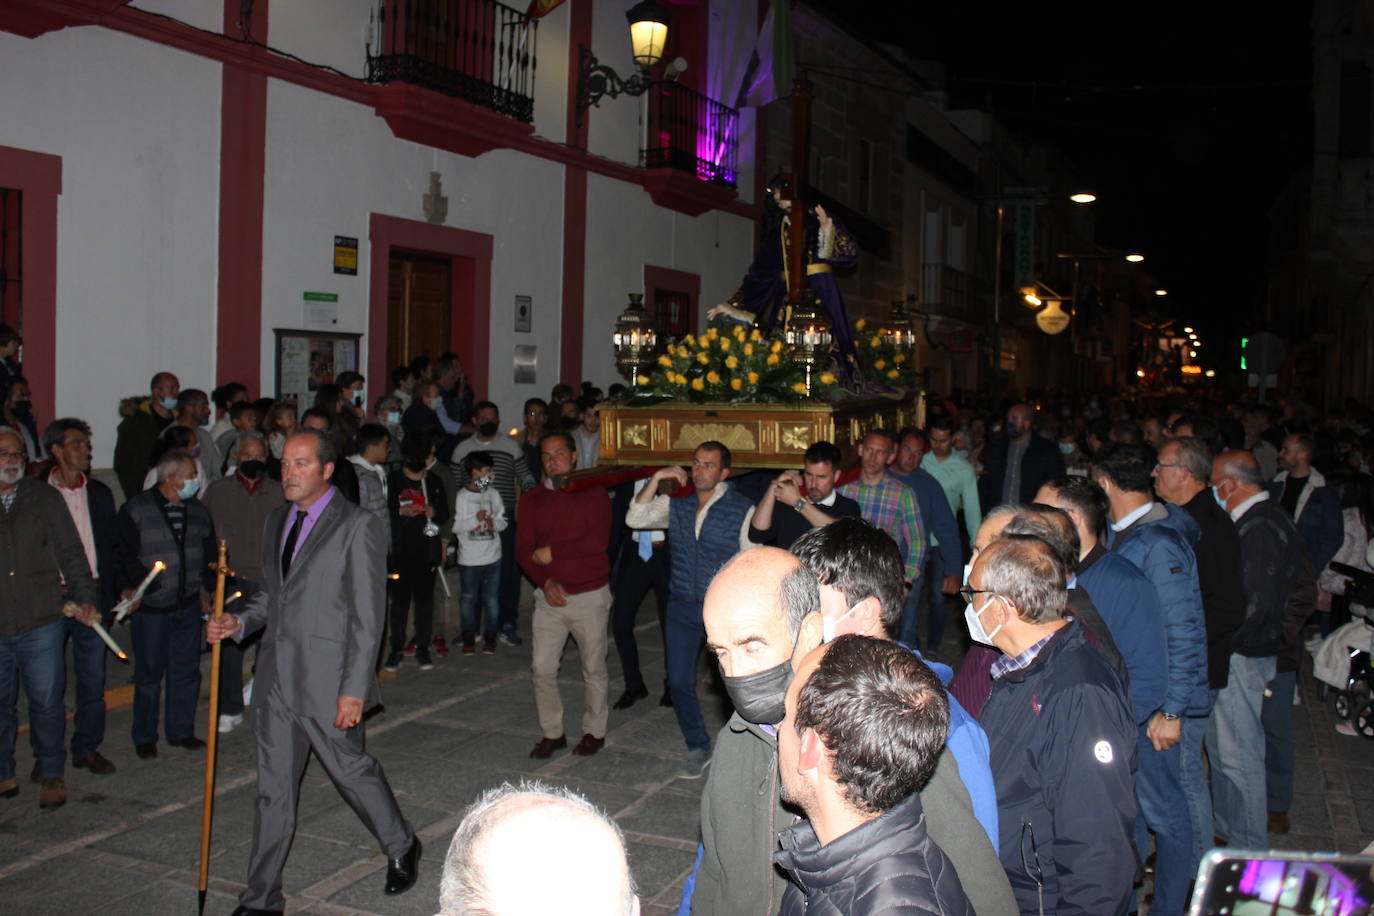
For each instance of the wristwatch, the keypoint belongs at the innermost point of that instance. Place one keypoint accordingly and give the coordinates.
(1170, 716)
(801, 504)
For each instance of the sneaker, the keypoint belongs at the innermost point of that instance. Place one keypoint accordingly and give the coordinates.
(1346, 727)
(422, 656)
(409, 650)
(439, 647)
(469, 648)
(695, 763)
(228, 723)
(510, 637)
(469, 639)
(393, 661)
(489, 644)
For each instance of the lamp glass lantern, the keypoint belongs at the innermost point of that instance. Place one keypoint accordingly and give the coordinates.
(899, 332)
(634, 339)
(648, 32)
(808, 333)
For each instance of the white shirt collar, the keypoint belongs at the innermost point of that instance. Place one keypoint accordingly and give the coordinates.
(1130, 518)
(828, 501)
(1244, 507)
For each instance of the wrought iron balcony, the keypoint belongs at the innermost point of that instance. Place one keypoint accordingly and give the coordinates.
(691, 132)
(480, 51)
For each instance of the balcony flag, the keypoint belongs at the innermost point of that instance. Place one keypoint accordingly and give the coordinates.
(772, 63)
(541, 8)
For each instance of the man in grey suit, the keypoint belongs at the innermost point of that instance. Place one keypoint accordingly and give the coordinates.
(323, 603)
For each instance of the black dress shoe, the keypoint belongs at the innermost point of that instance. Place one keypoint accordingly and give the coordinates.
(96, 763)
(547, 746)
(402, 870)
(251, 911)
(666, 701)
(146, 751)
(631, 696)
(189, 743)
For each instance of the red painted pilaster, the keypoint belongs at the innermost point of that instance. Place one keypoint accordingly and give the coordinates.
(243, 163)
(574, 210)
(38, 176)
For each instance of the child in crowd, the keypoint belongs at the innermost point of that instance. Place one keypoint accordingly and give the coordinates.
(479, 516)
(417, 505)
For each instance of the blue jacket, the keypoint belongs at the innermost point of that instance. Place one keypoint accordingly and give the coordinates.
(936, 514)
(1064, 760)
(1318, 518)
(1160, 544)
(969, 744)
(1128, 604)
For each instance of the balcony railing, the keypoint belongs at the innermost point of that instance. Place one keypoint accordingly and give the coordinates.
(692, 133)
(480, 51)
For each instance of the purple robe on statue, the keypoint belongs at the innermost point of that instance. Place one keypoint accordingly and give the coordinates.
(764, 288)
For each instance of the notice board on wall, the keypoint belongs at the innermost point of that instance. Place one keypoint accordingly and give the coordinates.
(305, 360)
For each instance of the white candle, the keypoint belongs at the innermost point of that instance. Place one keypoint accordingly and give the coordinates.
(109, 641)
(122, 609)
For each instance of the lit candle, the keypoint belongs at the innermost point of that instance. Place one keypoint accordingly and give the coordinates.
(122, 609)
(72, 609)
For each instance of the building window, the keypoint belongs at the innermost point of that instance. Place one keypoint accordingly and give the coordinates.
(671, 310)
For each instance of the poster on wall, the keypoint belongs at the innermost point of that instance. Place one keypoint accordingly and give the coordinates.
(305, 360)
(523, 307)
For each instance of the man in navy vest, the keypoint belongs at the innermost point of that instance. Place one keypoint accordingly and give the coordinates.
(705, 531)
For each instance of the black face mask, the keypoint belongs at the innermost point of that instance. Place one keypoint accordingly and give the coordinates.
(486, 430)
(759, 698)
(23, 406)
(252, 470)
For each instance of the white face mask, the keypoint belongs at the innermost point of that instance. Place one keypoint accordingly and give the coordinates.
(975, 623)
(830, 624)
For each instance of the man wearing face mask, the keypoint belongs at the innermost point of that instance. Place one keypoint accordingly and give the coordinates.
(18, 414)
(239, 506)
(193, 412)
(166, 522)
(1062, 738)
(761, 608)
(508, 468)
(143, 421)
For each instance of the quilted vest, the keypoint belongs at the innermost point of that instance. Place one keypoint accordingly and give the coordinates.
(696, 561)
(182, 577)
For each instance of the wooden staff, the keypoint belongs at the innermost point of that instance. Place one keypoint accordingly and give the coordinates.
(222, 571)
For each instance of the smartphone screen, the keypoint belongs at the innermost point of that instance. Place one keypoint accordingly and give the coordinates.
(1284, 884)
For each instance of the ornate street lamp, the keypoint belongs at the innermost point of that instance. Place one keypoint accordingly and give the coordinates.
(648, 36)
(634, 340)
(648, 32)
(807, 332)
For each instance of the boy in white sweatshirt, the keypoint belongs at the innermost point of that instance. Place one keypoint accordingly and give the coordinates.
(479, 517)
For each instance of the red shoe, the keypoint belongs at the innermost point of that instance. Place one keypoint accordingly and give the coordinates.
(409, 650)
(439, 647)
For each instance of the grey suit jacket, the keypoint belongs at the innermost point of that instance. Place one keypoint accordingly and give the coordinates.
(325, 622)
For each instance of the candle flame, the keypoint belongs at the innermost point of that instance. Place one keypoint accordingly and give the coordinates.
(159, 565)
(123, 657)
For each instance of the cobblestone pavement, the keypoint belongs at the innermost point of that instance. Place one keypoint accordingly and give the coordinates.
(129, 842)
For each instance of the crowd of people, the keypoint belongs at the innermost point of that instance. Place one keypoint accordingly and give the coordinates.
(1138, 580)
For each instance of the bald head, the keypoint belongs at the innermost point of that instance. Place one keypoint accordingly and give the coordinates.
(754, 609)
(581, 855)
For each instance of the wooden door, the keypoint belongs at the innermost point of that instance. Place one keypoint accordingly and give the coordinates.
(419, 307)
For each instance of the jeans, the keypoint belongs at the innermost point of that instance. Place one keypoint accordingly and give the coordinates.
(1277, 716)
(36, 658)
(1193, 776)
(682, 642)
(480, 584)
(88, 666)
(510, 576)
(930, 584)
(1235, 748)
(166, 645)
(1164, 809)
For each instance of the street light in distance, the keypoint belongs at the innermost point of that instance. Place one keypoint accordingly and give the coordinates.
(1161, 292)
(1135, 258)
(1083, 197)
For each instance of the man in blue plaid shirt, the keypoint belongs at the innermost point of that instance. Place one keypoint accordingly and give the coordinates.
(888, 503)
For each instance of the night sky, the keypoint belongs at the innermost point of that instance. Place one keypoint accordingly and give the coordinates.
(1186, 119)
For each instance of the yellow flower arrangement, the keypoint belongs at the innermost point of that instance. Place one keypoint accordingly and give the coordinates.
(698, 384)
(799, 387)
(713, 377)
(665, 361)
(677, 378)
(731, 362)
(756, 335)
(689, 340)
(748, 349)
(736, 384)
(739, 332)
(712, 333)
(772, 359)
(703, 358)
(725, 343)
(753, 378)
(748, 365)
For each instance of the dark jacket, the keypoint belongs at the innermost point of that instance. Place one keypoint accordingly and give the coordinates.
(886, 865)
(240, 517)
(135, 440)
(1218, 575)
(1280, 588)
(789, 524)
(144, 536)
(1318, 516)
(408, 539)
(1063, 745)
(1041, 461)
(419, 416)
(1128, 605)
(1160, 544)
(39, 548)
(936, 515)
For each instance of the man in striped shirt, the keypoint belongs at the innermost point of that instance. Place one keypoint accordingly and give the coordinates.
(508, 466)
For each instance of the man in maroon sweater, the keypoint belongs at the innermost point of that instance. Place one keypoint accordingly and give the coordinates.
(560, 543)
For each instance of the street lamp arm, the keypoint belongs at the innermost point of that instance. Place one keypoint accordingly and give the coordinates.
(596, 81)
